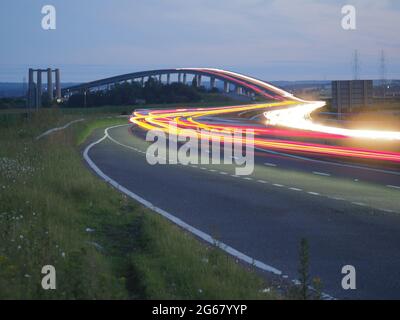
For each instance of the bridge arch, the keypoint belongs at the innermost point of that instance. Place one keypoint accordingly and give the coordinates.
(242, 84)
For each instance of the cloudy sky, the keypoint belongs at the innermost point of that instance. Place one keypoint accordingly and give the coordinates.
(269, 39)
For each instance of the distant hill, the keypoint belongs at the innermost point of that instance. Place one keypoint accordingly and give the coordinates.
(18, 89)
(301, 84)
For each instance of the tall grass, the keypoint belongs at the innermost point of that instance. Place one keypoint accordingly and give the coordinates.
(53, 210)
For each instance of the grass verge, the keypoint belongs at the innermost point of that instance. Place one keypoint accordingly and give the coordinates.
(54, 211)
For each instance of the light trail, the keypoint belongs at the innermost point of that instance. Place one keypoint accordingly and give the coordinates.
(299, 117)
(289, 111)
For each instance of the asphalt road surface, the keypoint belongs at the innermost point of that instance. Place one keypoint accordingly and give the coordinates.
(350, 215)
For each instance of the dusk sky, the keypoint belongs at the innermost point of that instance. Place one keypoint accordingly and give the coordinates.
(268, 39)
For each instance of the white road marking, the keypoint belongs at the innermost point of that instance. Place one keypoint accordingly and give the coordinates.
(248, 179)
(270, 164)
(191, 229)
(278, 185)
(337, 198)
(321, 174)
(261, 181)
(295, 189)
(202, 235)
(223, 173)
(393, 187)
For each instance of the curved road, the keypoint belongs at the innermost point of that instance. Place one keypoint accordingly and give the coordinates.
(349, 214)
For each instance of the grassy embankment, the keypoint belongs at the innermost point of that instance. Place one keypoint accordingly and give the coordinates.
(53, 210)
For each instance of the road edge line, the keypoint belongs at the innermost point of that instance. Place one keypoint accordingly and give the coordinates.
(200, 234)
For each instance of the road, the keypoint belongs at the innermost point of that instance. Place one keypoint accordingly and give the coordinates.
(350, 215)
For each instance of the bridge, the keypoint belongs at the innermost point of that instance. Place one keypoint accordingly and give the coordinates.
(242, 85)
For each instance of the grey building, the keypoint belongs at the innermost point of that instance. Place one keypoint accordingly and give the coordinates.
(350, 95)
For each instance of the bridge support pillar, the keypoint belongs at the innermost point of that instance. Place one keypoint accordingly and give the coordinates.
(160, 78)
(39, 89)
(212, 82)
(168, 78)
(50, 91)
(198, 81)
(58, 84)
(184, 78)
(31, 91)
(226, 87)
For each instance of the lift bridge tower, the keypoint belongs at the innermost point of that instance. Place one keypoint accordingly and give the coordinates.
(35, 88)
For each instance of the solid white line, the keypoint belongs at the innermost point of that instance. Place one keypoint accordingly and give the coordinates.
(321, 174)
(314, 193)
(295, 189)
(58, 129)
(222, 246)
(393, 187)
(202, 235)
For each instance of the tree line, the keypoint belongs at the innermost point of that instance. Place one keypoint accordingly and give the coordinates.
(127, 93)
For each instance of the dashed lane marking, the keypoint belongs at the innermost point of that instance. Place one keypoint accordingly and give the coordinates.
(321, 174)
(270, 164)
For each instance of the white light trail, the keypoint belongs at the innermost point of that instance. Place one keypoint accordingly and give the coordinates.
(299, 117)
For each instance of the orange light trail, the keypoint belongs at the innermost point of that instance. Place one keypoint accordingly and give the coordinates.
(173, 121)
(289, 111)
